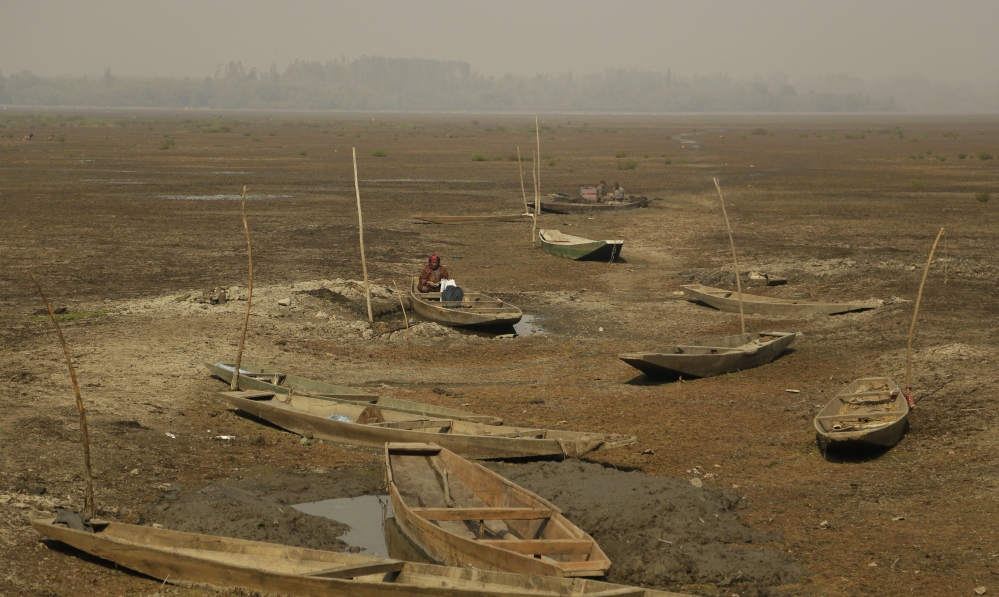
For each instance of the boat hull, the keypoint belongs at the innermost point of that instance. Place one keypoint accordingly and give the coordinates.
(561, 207)
(432, 219)
(713, 356)
(594, 250)
(525, 533)
(476, 311)
(871, 413)
(180, 557)
(728, 300)
(251, 378)
(309, 417)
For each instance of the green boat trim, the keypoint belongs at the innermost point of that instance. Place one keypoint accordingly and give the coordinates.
(268, 380)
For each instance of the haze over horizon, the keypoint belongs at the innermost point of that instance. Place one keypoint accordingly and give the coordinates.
(944, 42)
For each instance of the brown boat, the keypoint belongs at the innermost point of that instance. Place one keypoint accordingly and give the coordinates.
(174, 556)
(728, 300)
(462, 514)
(871, 412)
(712, 356)
(566, 205)
(371, 426)
(476, 310)
(436, 219)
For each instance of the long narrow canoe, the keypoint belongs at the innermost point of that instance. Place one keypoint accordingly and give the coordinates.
(713, 356)
(476, 310)
(728, 300)
(871, 412)
(583, 206)
(438, 219)
(579, 248)
(251, 378)
(176, 556)
(463, 514)
(371, 426)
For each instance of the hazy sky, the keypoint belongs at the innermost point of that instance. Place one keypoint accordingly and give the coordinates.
(953, 40)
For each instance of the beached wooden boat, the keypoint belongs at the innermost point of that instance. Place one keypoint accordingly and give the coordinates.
(372, 426)
(728, 300)
(567, 205)
(179, 557)
(252, 378)
(713, 356)
(476, 310)
(462, 514)
(578, 248)
(438, 219)
(871, 412)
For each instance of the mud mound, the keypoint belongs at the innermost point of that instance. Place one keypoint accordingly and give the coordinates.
(260, 509)
(659, 532)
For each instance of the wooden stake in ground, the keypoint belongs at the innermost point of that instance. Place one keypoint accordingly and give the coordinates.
(738, 284)
(89, 509)
(234, 385)
(360, 230)
(520, 164)
(912, 328)
(404, 317)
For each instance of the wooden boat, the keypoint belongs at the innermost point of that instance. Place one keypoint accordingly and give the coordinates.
(713, 356)
(463, 514)
(436, 219)
(871, 412)
(251, 378)
(476, 310)
(578, 248)
(565, 205)
(270, 568)
(371, 426)
(728, 300)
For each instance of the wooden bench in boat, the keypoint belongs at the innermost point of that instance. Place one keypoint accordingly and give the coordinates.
(462, 514)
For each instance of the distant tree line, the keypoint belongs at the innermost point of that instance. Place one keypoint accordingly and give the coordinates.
(377, 83)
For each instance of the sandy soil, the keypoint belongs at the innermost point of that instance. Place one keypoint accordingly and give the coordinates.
(138, 243)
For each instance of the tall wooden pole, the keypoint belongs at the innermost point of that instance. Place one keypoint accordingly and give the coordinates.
(360, 230)
(537, 200)
(234, 385)
(89, 508)
(915, 313)
(522, 191)
(537, 132)
(738, 284)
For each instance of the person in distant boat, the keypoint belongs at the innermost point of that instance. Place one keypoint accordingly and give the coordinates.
(601, 189)
(432, 274)
(618, 194)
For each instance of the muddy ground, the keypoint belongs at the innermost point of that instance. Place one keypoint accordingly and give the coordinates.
(129, 220)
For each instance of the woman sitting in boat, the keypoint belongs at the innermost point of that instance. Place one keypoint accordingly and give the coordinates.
(432, 274)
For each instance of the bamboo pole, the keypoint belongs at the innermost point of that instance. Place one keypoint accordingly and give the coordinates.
(520, 164)
(738, 284)
(234, 385)
(89, 509)
(360, 230)
(537, 200)
(404, 317)
(912, 328)
(537, 132)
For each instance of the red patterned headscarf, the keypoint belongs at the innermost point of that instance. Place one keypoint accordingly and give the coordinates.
(432, 257)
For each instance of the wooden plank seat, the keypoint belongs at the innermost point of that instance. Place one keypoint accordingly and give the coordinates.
(483, 513)
(361, 570)
(546, 547)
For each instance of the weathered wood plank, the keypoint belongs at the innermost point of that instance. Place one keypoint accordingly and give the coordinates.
(483, 513)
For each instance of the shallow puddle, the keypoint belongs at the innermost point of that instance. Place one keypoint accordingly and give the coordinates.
(363, 514)
(372, 527)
